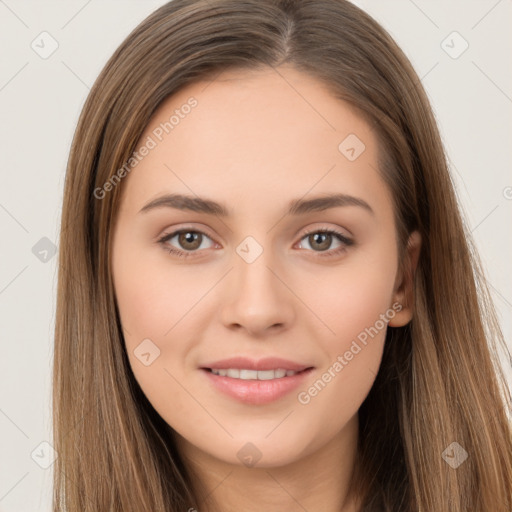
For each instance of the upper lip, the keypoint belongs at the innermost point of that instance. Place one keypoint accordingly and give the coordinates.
(267, 363)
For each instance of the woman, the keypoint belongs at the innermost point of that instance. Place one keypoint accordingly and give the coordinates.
(209, 354)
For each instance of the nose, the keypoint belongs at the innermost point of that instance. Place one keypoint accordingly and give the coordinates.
(257, 298)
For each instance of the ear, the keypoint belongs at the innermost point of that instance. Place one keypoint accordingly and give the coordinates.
(404, 284)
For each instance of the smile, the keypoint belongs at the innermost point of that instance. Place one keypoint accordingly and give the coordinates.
(235, 373)
(255, 387)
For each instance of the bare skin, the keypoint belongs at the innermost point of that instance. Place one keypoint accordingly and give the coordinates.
(256, 141)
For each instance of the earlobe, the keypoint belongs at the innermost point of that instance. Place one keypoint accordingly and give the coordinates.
(404, 285)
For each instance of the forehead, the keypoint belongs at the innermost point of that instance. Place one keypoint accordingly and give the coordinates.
(264, 134)
(275, 109)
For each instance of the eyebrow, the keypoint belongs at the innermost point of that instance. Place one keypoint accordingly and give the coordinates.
(295, 207)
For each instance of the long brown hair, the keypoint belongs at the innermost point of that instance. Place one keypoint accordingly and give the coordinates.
(440, 381)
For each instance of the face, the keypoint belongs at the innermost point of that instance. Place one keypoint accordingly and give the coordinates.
(284, 247)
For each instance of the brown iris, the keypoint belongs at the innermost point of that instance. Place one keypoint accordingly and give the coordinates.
(190, 237)
(324, 243)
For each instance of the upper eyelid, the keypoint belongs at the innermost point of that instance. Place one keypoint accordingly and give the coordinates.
(172, 233)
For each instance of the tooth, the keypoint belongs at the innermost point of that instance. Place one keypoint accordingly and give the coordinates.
(244, 374)
(248, 374)
(266, 374)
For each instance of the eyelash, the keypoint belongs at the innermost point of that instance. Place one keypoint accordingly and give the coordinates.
(325, 254)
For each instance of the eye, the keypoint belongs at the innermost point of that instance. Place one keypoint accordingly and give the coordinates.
(321, 239)
(191, 240)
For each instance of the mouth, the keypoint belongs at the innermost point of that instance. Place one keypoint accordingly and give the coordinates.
(256, 387)
(247, 374)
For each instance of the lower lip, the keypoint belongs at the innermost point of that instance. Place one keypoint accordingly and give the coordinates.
(257, 392)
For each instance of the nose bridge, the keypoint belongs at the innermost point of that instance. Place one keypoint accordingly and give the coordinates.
(257, 297)
(252, 270)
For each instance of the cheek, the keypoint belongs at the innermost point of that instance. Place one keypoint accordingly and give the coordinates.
(351, 297)
(354, 302)
(161, 303)
(155, 306)
(153, 297)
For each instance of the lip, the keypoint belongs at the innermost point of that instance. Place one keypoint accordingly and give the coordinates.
(257, 392)
(267, 363)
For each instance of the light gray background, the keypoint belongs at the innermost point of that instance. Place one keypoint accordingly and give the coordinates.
(40, 100)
